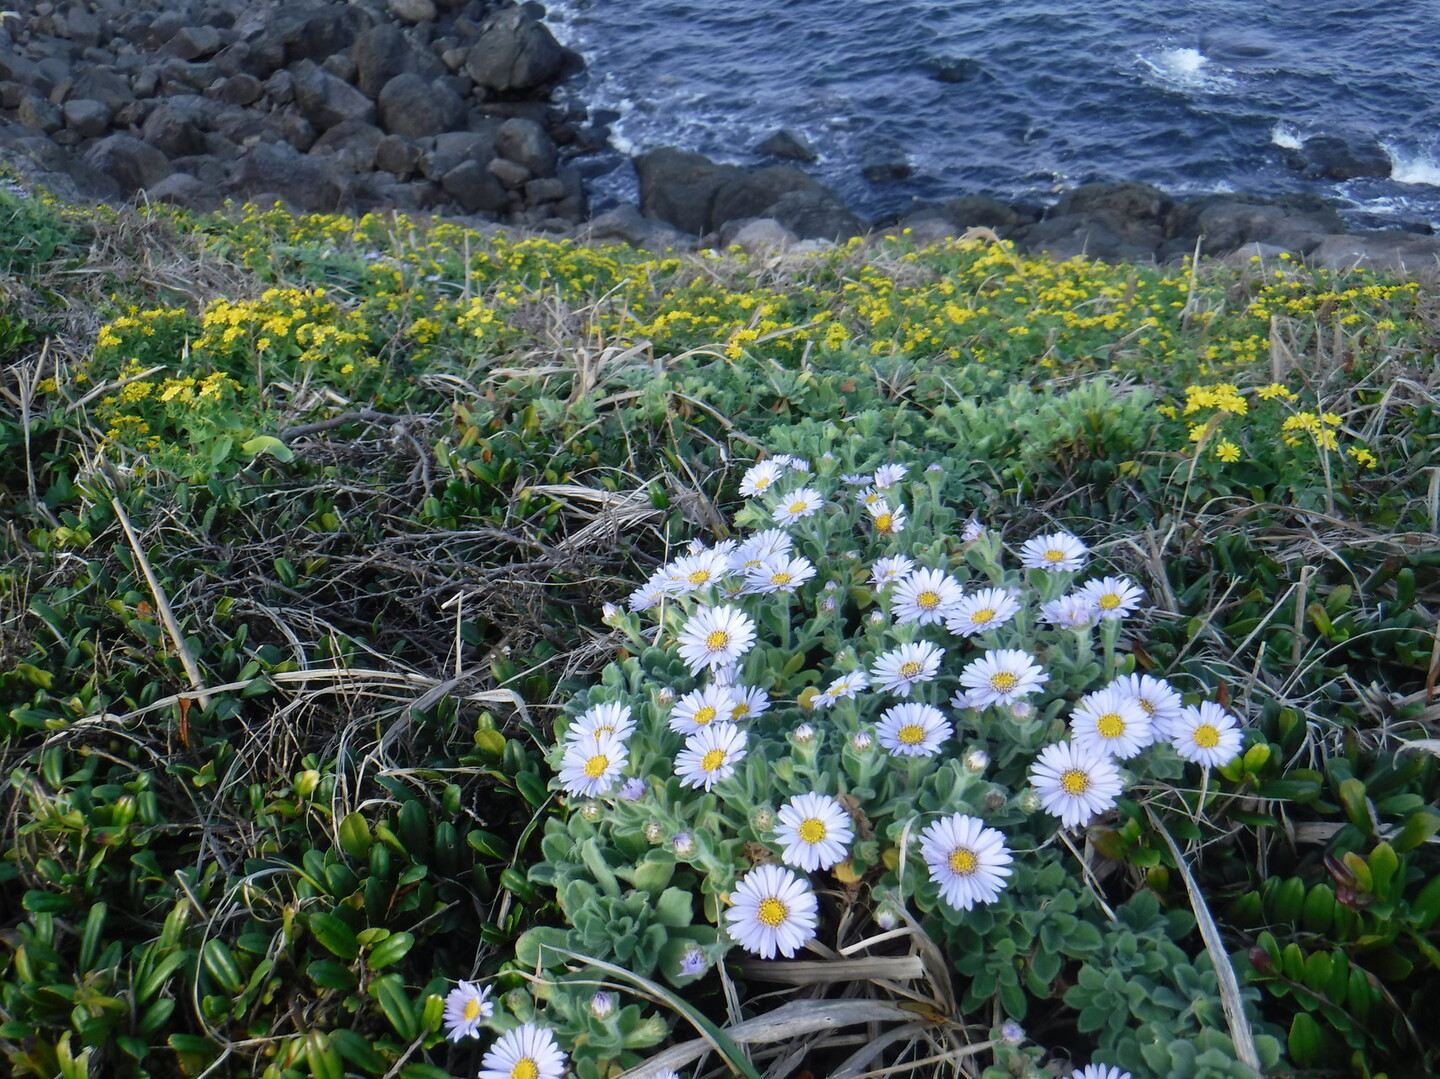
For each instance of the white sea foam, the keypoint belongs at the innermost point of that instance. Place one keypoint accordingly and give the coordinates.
(1286, 136)
(1412, 168)
(1186, 69)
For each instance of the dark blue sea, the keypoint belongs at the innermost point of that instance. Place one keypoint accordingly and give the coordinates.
(1193, 96)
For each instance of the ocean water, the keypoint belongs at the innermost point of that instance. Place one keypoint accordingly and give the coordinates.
(1193, 96)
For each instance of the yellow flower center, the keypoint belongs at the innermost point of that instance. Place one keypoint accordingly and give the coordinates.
(741, 709)
(982, 616)
(762, 482)
(699, 577)
(525, 1068)
(812, 830)
(963, 861)
(909, 669)
(798, 506)
(718, 641)
(885, 522)
(1110, 725)
(472, 1009)
(928, 600)
(1054, 554)
(1147, 705)
(596, 765)
(1109, 601)
(712, 760)
(704, 715)
(781, 578)
(1206, 736)
(771, 912)
(1074, 782)
(1004, 681)
(911, 734)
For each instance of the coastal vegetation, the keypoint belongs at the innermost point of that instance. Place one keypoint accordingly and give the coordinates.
(322, 534)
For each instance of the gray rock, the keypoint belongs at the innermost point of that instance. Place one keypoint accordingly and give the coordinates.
(526, 143)
(384, 51)
(1094, 236)
(17, 68)
(413, 10)
(294, 128)
(1332, 157)
(240, 89)
(924, 229)
(354, 142)
(146, 82)
(788, 144)
(182, 189)
(762, 235)
(473, 188)
(107, 87)
(176, 125)
(970, 211)
(514, 176)
(410, 105)
(755, 194)
(40, 114)
(680, 187)
(133, 164)
(341, 66)
(453, 147)
(514, 52)
(280, 87)
(544, 190)
(1383, 250)
(87, 118)
(1124, 201)
(326, 100)
(397, 155)
(305, 31)
(625, 224)
(309, 183)
(193, 43)
(817, 215)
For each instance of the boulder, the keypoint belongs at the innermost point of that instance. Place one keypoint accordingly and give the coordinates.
(526, 143)
(413, 10)
(788, 144)
(314, 184)
(453, 147)
(755, 194)
(1093, 235)
(474, 189)
(398, 156)
(240, 89)
(679, 187)
(1224, 223)
(415, 107)
(817, 215)
(511, 174)
(193, 43)
(954, 69)
(325, 100)
(86, 117)
(1126, 201)
(977, 211)
(133, 164)
(1390, 249)
(625, 224)
(514, 52)
(762, 235)
(177, 125)
(1333, 157)
(354, 142)
(107, 87)
(40, 113)
(382, 52)
(183, 189)
(307, 31)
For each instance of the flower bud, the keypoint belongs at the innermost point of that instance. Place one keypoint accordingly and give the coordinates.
(693, 961)
(683, 844)
(887, 917)
(827, 605)
(654, 831)
(1022, 710)
(610, 614)
(665, 696)
(977, 760)
(861, 742)
(1011, 1032)
(803, 734)
(633, 789)
(1030, 801)
(995, 800)
(592, 810)
(762, 819)
(876, 617)
(602, 1005)
(933, 466)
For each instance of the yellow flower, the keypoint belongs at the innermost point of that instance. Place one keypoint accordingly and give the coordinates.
(1227, 451)
(1363, 456)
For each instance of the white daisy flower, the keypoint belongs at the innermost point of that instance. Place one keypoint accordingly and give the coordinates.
(710, 755)
(1110, 721)
(913, 730)
(887, 521)
(814, 830)
(693, 572)
(846, 686)
(760, 477)
(974, 529)
(466, 1007)
(901, 669)
(527, 1052)
(771, 910)
(1054, 552)
(799, 503)
(715, 637)
(759, 547)
(1099, 1071)
(962, 698)
(1000, 676)
(871, 497)
(968, 860)
(611, 718)
(750, 701)
(886, 570)
(795, 464)
(981, 611)
(889, 475)
(1112, 597)
(926, 596)
(1068, 612)
(701, 707)
(1075, 783)
(1161, 701)
(855, 479)
(590, 768)
(1207, 735)
(779, 573)
(650, 593)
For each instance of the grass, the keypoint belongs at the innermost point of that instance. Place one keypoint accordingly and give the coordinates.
(308, 523)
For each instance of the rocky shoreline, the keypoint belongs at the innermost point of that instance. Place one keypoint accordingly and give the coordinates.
(451, 107)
